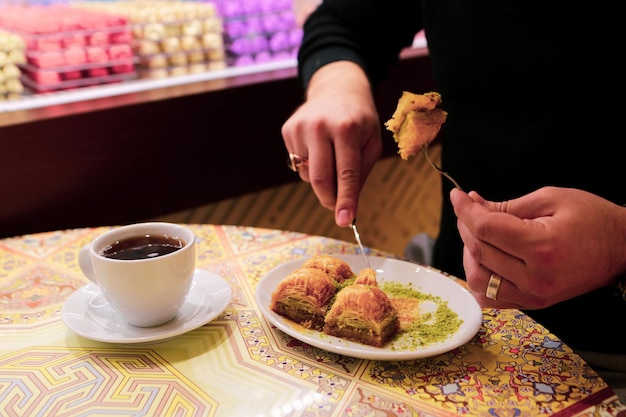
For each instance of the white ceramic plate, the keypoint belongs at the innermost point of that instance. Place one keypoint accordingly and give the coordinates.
(87, 313)
(423, 279)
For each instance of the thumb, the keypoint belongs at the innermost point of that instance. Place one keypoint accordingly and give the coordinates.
(506, 206)
(477, 197)
(528, 206)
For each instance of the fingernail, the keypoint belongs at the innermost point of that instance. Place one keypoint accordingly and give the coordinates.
(344, 218)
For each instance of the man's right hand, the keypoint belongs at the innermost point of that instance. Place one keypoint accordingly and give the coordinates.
(338, 129)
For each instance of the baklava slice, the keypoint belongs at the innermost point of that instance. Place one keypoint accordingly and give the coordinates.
(366, 276)
(364, 314)
(304, 297)
(338, 269)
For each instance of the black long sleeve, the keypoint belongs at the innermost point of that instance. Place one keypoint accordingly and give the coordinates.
(369, 32)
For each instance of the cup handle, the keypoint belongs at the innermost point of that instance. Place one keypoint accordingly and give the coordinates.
(84, 261)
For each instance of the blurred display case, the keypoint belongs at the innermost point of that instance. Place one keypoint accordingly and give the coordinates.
(74, 156)
(171, 38)
(84, 50)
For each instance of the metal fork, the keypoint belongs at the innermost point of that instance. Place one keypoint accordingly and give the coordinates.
(358, 240)
(445, 174)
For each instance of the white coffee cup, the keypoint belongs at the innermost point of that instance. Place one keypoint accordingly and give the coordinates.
(150, 290)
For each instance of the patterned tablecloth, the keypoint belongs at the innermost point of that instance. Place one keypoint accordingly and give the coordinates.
(238, 365)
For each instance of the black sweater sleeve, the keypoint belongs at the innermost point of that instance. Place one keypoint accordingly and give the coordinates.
(370, 33)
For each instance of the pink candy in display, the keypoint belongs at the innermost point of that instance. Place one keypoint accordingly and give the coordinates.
(73, 40)
(72, 75)
(96, 54)
(44, 43)
(74, 56)
(97, 72)
(47, 59)
(123, 36)
(123, 68)
(47, 77)
(41, 25)
(68, 46)
(98, 38)
(121, 51)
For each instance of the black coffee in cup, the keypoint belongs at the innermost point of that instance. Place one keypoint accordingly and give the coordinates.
(142, 247)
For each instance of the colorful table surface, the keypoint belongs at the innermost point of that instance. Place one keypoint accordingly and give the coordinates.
(238, 365)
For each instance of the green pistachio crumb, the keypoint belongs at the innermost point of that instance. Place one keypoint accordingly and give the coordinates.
(429, 326)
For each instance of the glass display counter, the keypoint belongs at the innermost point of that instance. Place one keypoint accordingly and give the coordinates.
(74, 158)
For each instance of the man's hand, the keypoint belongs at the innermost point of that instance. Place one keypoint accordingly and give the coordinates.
(548, 246)
(338, 130)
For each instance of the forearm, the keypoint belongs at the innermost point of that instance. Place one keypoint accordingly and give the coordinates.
(344, 76)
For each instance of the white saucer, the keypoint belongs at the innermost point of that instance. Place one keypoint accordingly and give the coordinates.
(87, 313)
